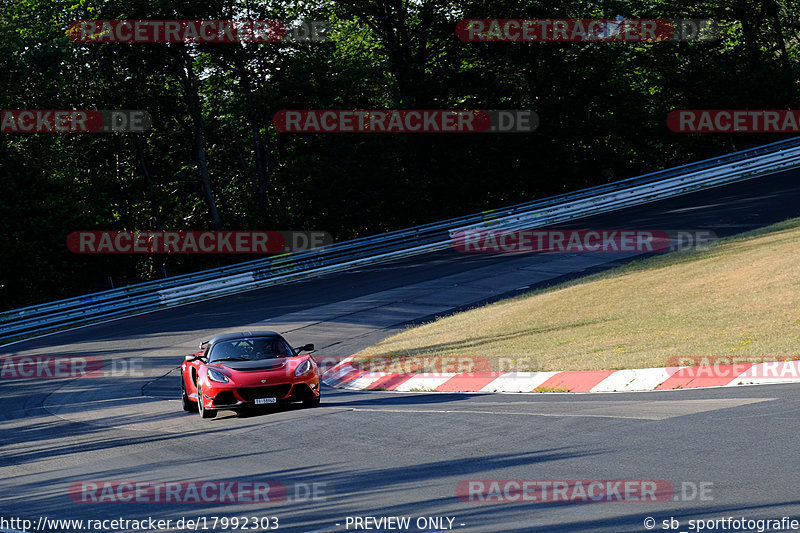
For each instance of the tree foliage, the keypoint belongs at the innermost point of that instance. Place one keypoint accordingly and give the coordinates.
(214, 160)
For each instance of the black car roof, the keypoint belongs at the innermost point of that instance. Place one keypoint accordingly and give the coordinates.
(241, 335)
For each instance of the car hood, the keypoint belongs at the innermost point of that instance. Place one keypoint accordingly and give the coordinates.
(253, 366)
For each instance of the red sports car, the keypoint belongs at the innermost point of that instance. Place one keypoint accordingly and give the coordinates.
(252, 368)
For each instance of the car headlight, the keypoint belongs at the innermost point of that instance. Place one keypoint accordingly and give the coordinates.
(303, 368)
(216, 375)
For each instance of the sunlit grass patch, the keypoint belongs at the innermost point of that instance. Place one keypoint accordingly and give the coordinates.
(740, 298)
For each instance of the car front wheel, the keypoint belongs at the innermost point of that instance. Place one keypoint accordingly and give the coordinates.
(204, 413)
(186, 403)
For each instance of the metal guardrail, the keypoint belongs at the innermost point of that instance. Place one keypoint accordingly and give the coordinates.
(251, 275)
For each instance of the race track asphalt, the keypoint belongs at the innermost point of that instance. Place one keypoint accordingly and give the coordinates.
(721, 452)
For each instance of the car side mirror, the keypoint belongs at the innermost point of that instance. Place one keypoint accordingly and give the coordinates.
(306, 348)
(193, 357)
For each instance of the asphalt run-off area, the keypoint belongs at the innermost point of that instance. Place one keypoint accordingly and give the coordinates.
(365, 459)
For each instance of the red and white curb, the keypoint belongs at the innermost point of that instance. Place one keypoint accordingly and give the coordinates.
(345, 376)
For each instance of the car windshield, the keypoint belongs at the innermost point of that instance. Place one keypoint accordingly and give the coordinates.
(249, 349)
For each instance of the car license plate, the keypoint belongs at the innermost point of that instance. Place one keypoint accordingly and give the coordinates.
(260, 401)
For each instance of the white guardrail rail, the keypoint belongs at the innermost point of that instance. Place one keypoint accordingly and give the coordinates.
(337, 257)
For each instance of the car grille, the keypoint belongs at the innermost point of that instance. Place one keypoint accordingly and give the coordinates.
(225, 398)
(251, 393)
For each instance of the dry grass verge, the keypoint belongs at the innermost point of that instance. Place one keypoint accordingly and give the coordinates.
(740, 299)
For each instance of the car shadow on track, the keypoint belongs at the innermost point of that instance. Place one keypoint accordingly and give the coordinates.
(252, 412)
(349, 398)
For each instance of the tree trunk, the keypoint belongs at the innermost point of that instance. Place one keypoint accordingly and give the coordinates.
(261, 163)
(150, 189)
(189, 81)
(160, 261)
